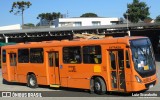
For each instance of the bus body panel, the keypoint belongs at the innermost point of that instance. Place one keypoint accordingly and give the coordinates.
(54, 70)
(78, 76)
(5, 71)
(75, 75)
(146, 83)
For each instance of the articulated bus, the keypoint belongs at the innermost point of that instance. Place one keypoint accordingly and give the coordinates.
(123, 64)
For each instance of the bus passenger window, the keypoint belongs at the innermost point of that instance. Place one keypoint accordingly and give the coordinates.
(127, 60)
(92, 54)
(12, 57)
(57, 59)
(4, 56)
(36, 55)
(121, 59)
(23, 55)
(72, 54)
(50, 58)
(53, 59)
(113, 60)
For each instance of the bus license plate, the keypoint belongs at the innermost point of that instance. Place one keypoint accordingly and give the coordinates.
(150, 86)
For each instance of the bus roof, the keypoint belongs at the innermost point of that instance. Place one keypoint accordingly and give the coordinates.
(75, 42)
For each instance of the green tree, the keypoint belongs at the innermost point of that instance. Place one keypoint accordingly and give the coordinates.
(158, 18)
(19, 7)
(136, 11)
(49, 16)
(89, 15)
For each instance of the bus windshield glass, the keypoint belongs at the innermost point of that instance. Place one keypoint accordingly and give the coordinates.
(142, 55)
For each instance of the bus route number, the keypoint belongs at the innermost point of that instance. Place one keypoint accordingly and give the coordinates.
(114, 47)
(71, 69)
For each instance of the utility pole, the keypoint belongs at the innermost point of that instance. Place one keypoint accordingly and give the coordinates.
(129, 34)
(127, 20)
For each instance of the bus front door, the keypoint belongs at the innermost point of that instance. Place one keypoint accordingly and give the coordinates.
(53, 58)
(117, 74)
(13, 65)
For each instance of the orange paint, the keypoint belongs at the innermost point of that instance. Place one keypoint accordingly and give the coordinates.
(76, 67)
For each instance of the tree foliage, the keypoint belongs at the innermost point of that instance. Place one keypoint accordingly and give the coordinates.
(19, 7)
(89, 15)
(158, 18)
(49, 16)
(137, 11)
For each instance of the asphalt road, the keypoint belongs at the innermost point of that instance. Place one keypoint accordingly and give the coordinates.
(65, 93)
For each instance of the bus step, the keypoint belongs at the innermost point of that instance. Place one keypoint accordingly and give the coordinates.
(55, 85)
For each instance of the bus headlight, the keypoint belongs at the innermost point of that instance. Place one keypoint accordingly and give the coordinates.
(138, 79)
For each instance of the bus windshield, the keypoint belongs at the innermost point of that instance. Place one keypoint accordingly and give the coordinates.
(142, 55)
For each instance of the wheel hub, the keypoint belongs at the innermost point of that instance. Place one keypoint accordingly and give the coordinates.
(32, 81)
(97, 86)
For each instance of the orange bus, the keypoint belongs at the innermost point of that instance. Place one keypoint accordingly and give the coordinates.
(124, 64)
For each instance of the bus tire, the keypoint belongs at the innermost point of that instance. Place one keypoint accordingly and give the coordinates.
(32, 81)
(91, 86)
(99, 86)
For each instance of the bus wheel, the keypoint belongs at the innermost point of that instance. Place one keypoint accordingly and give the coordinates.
(99, 86)
(32, 81)
(92, 86)
(5, 82)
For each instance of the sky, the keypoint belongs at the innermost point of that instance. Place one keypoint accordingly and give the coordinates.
(75, 8)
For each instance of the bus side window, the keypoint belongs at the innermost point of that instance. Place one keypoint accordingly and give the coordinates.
(53, 59)
(50, 58)
(36, 55)
(92, 54)
(72, 55)
(121, 59)
(57, 59)
(13, 57)
(23, 55)
(4, 56)
(127, 60)
(113, 60)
